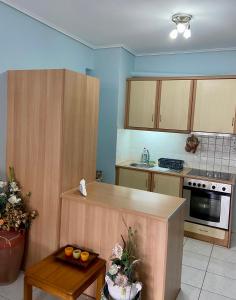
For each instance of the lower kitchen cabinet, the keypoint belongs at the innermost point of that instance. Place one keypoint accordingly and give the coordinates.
(133, 179)
(167, 184)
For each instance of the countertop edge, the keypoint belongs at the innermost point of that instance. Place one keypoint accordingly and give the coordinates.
(67, 195)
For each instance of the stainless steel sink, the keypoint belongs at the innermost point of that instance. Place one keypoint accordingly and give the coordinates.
(141, 165)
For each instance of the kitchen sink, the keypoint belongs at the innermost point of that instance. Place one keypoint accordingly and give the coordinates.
(141, 165)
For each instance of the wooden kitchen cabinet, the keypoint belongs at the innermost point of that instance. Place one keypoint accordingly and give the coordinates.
(215, 103)
(133, 179)
(175, 105)
(141, 105)
(167, 184)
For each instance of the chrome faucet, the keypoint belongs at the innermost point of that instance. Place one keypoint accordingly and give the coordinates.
(145, 158)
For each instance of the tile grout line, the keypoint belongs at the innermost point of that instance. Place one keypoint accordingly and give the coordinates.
(206, 271)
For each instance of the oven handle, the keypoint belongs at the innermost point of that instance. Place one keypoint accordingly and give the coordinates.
(206, 191)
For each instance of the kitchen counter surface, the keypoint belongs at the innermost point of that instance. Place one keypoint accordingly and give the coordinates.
(155, 169)
(183, 173)
(161, 207)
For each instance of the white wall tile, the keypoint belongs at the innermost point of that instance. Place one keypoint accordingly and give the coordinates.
(216, 152)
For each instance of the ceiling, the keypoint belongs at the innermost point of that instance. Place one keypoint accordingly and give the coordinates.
(141, 26)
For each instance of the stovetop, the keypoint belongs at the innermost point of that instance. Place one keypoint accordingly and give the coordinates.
(210, 174)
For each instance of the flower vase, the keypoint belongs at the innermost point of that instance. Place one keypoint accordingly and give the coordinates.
(124, 293)
(11, 253)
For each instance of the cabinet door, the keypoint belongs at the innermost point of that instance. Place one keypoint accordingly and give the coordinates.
(167, 184)
(175, 108)
(215, 104)
(133, 179)
(142, 103)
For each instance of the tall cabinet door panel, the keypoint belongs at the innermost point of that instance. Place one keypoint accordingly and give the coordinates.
(167, 185)
(215, 105)
(133, 179)
(175, 104)
(142, 103)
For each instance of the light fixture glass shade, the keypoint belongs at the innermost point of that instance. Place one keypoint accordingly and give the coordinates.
(174, 34)
(187, 33)
(181, 27)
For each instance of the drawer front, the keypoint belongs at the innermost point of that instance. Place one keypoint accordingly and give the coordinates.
(205, 230)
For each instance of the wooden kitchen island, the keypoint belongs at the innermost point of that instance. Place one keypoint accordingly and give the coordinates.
(97, 222)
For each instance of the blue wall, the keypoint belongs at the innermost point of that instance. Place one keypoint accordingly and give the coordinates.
(112, 67)
(205, 63)
(28, 44)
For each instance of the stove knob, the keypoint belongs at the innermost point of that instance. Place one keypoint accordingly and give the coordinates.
(223, 189)
(194, 184)
(199, 185)
(213, 187)
(189, 183)
(203, 185)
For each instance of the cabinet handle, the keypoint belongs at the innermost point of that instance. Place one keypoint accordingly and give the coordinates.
(152, 117)
(160, 118)
(146, 183)
(232, 122)
(203, 230)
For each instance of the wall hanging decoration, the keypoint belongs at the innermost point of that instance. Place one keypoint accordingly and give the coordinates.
(192, 143)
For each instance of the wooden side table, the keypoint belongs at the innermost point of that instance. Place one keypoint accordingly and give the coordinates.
(63, 280)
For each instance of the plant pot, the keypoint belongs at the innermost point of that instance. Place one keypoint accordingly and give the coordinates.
(127, 293)
(12, 245)
(105, 294)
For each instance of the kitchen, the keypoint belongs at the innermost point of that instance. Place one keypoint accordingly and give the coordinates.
(137, 47)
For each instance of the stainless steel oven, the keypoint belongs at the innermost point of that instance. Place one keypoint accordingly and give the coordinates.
(207, 202)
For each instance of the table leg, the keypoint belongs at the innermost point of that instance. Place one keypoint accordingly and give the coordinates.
(27, 290)
(100, 283)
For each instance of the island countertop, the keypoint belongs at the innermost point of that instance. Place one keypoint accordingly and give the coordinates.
(159, 206)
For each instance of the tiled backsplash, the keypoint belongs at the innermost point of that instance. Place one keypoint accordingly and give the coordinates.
(214, 152)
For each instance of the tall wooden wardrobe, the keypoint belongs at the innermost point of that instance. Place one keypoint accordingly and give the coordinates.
(51, 142)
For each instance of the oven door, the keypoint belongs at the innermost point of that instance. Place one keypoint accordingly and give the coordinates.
(207, 207)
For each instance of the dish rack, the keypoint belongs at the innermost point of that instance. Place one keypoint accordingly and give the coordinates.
(173, 164)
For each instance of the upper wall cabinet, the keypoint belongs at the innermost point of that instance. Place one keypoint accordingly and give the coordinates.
(215, 104)
(141, 104)
(175, 105)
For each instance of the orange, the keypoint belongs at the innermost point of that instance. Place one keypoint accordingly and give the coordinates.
(84, 256)
(69, 251)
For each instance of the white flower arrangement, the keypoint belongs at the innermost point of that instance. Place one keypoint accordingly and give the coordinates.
(121, 277)
(14, 214)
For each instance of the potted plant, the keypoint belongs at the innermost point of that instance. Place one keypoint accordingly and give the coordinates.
(15, 220)
(121, 278)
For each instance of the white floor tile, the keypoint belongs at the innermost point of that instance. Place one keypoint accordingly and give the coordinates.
(220, 285)
(210, 296)
(13, 291)
(185, 240)
(3, 298)
(192, 276)
(195, 260)
(188, 292)
(222, 268)
(198, 247)
(224, 254)
(233, 242)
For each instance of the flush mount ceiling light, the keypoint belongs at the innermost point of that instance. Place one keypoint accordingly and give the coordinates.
(182, 22)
